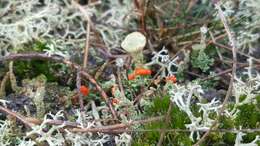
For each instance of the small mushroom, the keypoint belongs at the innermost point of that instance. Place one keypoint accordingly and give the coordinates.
(134, 44)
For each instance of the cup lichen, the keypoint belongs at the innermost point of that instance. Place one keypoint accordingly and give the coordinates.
(134, 44)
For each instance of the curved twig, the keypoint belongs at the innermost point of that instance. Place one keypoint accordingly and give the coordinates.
(42, 56)
(234, 68)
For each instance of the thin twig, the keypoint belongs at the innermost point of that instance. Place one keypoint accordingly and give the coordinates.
(111, 128)
(239, 52)
(121, 88)
(101, 69)
(234, 67)
(89, 23)
(167, 119)
(226, 71)
(78, 84)
(16, 115)
(3, 84)
(86, 46)
(114, 128)
(188, 131)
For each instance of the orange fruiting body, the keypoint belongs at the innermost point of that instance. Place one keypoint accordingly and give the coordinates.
(131, 76)
(84, 90)
(142, 71)
(115, 101)
(172, 79)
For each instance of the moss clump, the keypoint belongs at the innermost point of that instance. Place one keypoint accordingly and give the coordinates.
(242, 98)
(35, 68)
(248, 117)
(258, 101)
(227, 123)
(178, 119)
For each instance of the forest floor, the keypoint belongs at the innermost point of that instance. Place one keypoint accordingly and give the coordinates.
(121, 72)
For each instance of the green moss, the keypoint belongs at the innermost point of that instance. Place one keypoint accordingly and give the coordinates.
(160, 105)
(258, 101)
(242, 98)
(181, 139)
(227, 123)
(229, 138)
(195, 110)
(35, 46)
(250, 137)
(215, 138)
(248, 116)
(35, 68)
(178, 119)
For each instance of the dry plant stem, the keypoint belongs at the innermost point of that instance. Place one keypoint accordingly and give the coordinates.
(95, 113)
(74, 126)
(102, 92)
(87, 17)
(67, 124)
(140, 6)
(78, 84)
(217, 49)
(187, 130)
(216, 38)
(121, 88)
(101, 69)
(12, 77)
(239, 52)
(116, 127)
(167, 119)
(234, 67)
(41, 56)
(227, 71)
(86, 46)
(3, 84)
(113, 128)
(16, 115)
(190, 5)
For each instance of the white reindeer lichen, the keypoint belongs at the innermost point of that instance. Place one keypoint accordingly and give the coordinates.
(239, 139)
(182, 95)
(163, 59)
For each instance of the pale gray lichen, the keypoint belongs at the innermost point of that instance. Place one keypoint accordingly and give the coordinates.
(35, 89)
(239, 139)
(163, 59)
(123, 139)
(182, 96)
(61, 22)
(24, 142)
(52, 136)
(5, 131)
(246, 14)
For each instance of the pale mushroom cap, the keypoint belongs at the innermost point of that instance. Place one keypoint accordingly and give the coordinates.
(134, 42)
